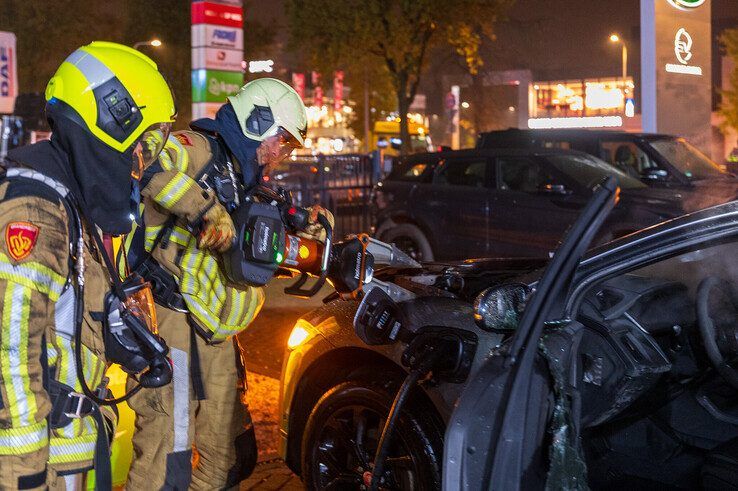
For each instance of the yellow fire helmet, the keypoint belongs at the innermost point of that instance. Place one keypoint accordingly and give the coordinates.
(114, 91)
(266, 105)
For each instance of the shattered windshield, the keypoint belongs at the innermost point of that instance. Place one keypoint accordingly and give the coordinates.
(688, 159)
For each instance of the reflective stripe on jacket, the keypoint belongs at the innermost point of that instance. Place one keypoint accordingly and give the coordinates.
(38, 304)
(219, 306)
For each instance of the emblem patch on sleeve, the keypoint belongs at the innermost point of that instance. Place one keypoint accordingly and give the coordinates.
(183, 139)
(20, 238)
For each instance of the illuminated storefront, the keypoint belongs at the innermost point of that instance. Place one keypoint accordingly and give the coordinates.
(603, 102)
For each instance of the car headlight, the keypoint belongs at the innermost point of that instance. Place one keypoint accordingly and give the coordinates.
(301, 333)
(500, 307)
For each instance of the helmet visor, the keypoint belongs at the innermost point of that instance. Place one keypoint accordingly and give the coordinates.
(149, 147)
(287, 143)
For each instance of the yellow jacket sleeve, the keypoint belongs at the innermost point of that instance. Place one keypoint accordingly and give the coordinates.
(174, 187)
(33, 274)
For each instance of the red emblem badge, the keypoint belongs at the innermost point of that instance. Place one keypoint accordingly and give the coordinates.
(20, 237)
(183, 139)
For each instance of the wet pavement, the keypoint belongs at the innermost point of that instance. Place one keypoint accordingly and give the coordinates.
(264, 343)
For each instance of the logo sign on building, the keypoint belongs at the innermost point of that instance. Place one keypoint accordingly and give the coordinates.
(217, 14)
(208, 36)
(261, 66)
(683, 52)
(216, 59)
(8, 73)
(214, 85)
(686, 4)
(676, 68)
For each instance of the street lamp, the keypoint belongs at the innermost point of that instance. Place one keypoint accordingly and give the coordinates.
(614, 38)
(154, 42)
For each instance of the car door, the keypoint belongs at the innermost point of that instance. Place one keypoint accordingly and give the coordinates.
(457, 206)
(531, 208)
(495, 436)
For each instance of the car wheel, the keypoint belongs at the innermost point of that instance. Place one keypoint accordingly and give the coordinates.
(410, 240)
(343, 431)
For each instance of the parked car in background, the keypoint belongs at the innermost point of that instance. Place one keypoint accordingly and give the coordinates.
(514, 202)
(658, 160)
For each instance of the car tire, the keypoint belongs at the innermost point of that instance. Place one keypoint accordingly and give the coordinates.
(417, 439)
(411, 240)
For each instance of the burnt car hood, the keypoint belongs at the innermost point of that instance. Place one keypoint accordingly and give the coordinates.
(465, 278)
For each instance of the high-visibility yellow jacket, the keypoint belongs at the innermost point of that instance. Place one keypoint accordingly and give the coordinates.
(38, 303)
(220, 307)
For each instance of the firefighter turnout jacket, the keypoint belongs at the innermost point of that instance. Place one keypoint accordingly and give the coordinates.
(175, 200)
(37, 323)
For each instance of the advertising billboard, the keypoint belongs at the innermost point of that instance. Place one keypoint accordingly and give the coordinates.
(8, 72)
(676, 64)
(210, 36)
(217, 14)
(217, 59)
(214, 85)
(217, 54)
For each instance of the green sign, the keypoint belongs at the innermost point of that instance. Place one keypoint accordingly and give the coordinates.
(214, 85)
(686, 4)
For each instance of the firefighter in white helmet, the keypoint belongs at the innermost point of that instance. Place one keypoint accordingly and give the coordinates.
(201, 177)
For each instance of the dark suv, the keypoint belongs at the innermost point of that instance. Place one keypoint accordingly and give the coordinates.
(658, 160)
(512, 202)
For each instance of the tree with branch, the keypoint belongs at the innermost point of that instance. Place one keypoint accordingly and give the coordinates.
(394, 35)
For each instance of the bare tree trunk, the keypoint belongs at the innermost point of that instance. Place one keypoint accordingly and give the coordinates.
(403, 105)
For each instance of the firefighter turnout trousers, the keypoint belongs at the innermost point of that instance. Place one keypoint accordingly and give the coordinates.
(171, 421)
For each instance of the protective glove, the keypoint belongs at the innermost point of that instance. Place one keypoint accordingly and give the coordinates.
(218, 230)
(314, 230)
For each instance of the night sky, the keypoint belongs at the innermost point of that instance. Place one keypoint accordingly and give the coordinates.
(555, 38)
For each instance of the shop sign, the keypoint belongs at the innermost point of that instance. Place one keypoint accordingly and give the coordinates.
(214, 85)
(217, 59)
(209, 36)
(686, 4)
(8, 73)
(216, 14)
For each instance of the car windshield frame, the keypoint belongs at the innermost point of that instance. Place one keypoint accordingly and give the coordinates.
(624, 180)
(708, 169)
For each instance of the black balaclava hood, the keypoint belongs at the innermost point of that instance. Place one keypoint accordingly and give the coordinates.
(97, 175)
(243, 148)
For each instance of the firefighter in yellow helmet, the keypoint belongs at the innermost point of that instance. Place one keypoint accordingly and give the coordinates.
(200, 178)
(54, 196)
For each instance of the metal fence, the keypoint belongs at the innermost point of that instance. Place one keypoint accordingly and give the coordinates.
(341, 183)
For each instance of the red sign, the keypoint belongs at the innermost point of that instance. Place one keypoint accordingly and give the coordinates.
(217, 14)
(338, 90)
(298, 83)
(317, 90)
(20, 237)
(318, 96)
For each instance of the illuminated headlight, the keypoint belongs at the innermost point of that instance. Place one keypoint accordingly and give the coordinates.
(300, 334)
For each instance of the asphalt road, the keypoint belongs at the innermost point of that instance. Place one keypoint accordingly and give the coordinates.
(264, 343)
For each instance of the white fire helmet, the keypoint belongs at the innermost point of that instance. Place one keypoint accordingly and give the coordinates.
(266, 107)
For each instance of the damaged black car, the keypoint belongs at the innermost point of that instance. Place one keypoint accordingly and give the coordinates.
(608, 368)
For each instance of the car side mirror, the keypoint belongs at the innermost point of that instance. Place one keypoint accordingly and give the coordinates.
(556, 189)
(655, 174)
